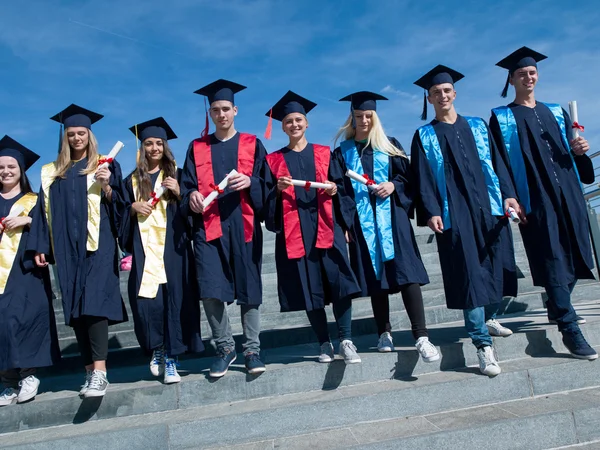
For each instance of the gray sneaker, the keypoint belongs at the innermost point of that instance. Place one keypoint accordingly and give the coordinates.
(98, 385)
(348, 352)
(8, 397)
(327, 354)
(86, 383)
(385, 343)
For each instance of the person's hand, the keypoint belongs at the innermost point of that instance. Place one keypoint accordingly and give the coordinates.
(514, 204)
(142, 208)
(171, 184)
(103, 176)
(348, 237)
(283, 183)
(40, 260)
(10, 223)
(239, 182)
(580, 146)
(385, 189)
(436, 224)
(332, 190)
(196, 199)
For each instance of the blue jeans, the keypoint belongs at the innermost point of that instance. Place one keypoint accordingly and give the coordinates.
(475, 319)
(560, 307)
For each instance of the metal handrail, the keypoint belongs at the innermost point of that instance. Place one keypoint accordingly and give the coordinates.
(594, 155)
(593, 194)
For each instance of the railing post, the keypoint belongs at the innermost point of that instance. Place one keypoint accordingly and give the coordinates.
(595, 233)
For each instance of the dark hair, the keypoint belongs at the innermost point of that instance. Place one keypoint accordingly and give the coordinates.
(24, 183)
(167, 164)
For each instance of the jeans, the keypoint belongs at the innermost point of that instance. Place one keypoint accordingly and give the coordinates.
(560, 307)
(218, 319)
(475, 319)
(342, 310)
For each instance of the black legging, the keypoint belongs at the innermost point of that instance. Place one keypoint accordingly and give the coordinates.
(413, 303)
(92, 338)
(342, 311)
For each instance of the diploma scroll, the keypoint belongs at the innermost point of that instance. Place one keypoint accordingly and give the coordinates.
(15, 211)
(104, 162)
(577, 128)
(362, 179)
(156, 195)
(217, 189)
(512, 215)
(310, 184)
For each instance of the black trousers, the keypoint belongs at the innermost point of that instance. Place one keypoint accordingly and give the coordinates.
(92, 338)
(10, 378)
(413, 303)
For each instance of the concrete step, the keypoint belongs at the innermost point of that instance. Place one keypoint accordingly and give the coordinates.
(536, 346)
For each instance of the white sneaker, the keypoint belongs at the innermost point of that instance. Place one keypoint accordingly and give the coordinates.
(86, 384)
(171, 375)
(157, 363)
(97, 386)
(385, 343)
(427, 350)
(8, 397)
(327, 354)
(29, 388)
(488, 363)
(348, 352)
(496, 329)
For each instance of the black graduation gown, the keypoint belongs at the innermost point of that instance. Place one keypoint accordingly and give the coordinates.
(476, 253)
(228, 268)
(172, 318)
(28, 335)
(322, 276)
(406, 267)
(89, 281)
(556, 237)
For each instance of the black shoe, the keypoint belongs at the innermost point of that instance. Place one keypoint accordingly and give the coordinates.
(577, 345)
(225, 358)
(580, 320)
(254, 365)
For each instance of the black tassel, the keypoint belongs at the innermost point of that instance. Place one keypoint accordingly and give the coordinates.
(60, 137)
(424, 114)
(505, 90)
(352, 114)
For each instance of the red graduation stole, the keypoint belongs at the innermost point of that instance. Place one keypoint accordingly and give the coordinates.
(207, 183)
(291, 220)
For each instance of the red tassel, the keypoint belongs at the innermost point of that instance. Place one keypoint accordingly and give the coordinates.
(269, 125)
(206, 125)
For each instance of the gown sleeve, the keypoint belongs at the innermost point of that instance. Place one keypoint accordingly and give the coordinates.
(261, 175)
(39, 231)
(507, 188)
(27, 260)
(189, 181)
(427, 204)
(402, 178)
(116, 202)
(344, 200)
(585, 165)
(126, 221)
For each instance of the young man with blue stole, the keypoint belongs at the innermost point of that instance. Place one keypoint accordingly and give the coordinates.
(464, 190)
(548, 166)
(227, 233)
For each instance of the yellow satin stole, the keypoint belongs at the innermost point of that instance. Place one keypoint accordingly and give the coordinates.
(94, 196)
(153, 231)
(9, 245)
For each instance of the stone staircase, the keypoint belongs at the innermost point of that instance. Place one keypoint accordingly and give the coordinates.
(543, 399)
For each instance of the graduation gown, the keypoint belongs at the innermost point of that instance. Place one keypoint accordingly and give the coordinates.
(406, 267)
(28, 337)
(476, 253)
(556, 237)
(321, 276)
(172, 318)
(89, 281)
(228, 268)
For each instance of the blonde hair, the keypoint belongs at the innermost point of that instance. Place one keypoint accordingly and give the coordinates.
(64, 157)
(377, 138)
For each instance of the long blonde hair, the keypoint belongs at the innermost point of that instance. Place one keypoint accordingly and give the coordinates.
(64, 157)
(377, 138)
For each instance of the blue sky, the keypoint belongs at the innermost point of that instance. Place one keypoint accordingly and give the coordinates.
(133, 61)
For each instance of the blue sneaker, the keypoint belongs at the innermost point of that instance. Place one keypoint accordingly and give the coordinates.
(225, 358)
(577, 345)
(254, 365)
(171, 375)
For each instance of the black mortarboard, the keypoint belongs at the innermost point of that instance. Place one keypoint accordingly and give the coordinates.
(155, 128)
(523, 57)
(25, 157)
(363, 100)
(220, 90)
(290, 103)
(76, 116)
(438, 75)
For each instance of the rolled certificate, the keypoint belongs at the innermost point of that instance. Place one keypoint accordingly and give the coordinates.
(156, 195)
(575, 118)
(512, 215)
(104, 162)
(362, 179)
(310, 184)
(15, 211)
(216, 190)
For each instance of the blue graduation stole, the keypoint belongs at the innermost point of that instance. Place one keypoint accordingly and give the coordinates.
(510, 136)
(435, 157)
(379, 239)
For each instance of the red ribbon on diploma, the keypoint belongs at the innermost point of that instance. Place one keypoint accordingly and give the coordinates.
(214, 187)
(104, 160)
(154, 199)
(307, 185)
(577, 126)
(2, 220)
(370, 182)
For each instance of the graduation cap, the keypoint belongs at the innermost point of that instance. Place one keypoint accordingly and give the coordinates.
(25, 157)
(523, 57)
(76, 116)
(438, 75)
(218, 90)
(288, 104)
(363, 101)
(155, 128)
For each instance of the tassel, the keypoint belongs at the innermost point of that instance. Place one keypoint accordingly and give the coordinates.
(269, 125)
(505, 90)
(206, 125)
(60, 137)
(137, 156)
(424, 113)
(352, 114)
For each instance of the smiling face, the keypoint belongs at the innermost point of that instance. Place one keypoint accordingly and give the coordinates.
(222, 113)
(294, 125)
(524, 80)
(78, 138)
(10, 172)
(154, 149)
(442, 96)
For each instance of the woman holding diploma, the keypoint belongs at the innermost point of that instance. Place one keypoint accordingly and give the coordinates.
(310, 250)
(383, 250)
(75, 228)
(27, 328)
(162, 288)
